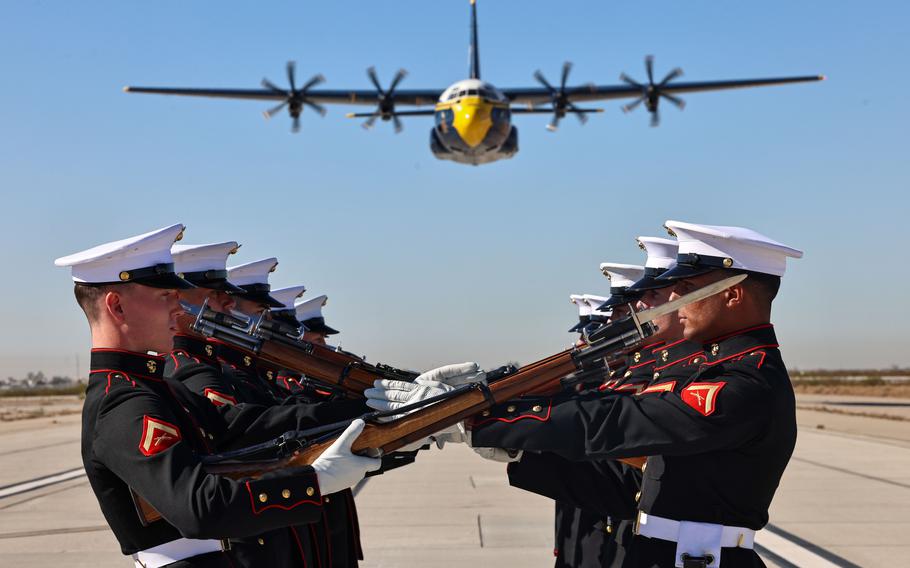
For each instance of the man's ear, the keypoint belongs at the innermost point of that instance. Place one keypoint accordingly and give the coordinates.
(734, 296)
(113, 307)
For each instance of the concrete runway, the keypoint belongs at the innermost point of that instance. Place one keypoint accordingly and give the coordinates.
(844, 501)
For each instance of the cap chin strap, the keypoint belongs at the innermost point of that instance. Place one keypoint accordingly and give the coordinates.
(701, 260)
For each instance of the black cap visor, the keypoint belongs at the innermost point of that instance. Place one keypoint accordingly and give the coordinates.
(618, 300)
(212, 280)
(259, 293)
(681, 271)
(582, 322)
(285, 316)
(317, 325)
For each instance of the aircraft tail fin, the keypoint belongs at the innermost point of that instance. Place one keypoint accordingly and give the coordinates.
(473, 51)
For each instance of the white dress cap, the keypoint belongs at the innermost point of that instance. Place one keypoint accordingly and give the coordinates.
(256, 272)
(311, 308)
(118, 261)
(661, 252)
(584, 309)
(716, 246)
(595, 302)
(202, 258)
(621, 275)
(288, 296)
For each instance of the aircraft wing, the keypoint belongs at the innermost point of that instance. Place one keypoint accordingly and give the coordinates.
(538, 95)
(413, 97)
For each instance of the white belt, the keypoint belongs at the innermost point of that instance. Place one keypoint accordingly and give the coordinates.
(171, 552)
(694, 539)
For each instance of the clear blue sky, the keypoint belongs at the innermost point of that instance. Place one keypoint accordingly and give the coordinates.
(429, 262)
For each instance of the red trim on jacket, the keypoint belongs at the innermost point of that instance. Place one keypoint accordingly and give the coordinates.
(744, 352)
(517, 418)
(140, 375)
(277, 505)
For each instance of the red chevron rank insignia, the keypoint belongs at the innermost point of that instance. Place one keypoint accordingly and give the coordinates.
(219, 399)
(157, 436)
(702, 396)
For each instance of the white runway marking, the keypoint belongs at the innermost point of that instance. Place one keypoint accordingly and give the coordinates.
(38, 483)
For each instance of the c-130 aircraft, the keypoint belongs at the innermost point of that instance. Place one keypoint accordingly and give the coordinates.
(473, 118)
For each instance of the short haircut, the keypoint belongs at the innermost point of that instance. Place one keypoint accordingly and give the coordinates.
(87, 296)
(767, 285)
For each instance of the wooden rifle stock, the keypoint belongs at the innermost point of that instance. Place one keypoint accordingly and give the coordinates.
(386, 437)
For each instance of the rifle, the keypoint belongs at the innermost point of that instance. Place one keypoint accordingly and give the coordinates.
(282, 345)
(440, 412)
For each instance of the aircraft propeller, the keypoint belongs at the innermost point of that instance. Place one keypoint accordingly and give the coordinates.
(561, 103)
(295, 98)
(651, 93)
(386, 102)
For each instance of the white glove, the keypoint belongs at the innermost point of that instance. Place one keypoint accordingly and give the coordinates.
(391, 395)
(498, 454)
(337, 468)
(454, 375)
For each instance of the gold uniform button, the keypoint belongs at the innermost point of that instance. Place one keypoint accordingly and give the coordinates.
(664, 355)
(537, 408)
(286, 493)
(656, 376)
(698, 360)
(728, 262)
(124, 276)
(485, 413)
(263, 497)
(260, 541)
(608, 528)
(714, 349)
(326, 499)
(310, 491)
(636, 357)
(627, 374)
(510, 408)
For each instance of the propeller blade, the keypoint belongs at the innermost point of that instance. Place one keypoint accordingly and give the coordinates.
(566, 68)
(275, 110)
(554, 124)
(368, 123)
(315, 106)
(397, 121)
(632, 106)
(273, 87)
(579, 114)
(314, 80)
(543, 81)
(291, 66)
(295, 127)
(398, 77)
(626, 79)
(670, 76)
(371, 73)
(649, 66)
(680, 104)
(655, 118)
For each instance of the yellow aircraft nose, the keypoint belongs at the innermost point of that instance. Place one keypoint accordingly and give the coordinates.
(472, 120)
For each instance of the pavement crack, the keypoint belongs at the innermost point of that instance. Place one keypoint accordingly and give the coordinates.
(479, 531)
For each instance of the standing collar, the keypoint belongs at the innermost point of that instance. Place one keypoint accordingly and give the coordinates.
(196, 347)
(128, 362)
(740, 342)
(233, 356)
(675, 353)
